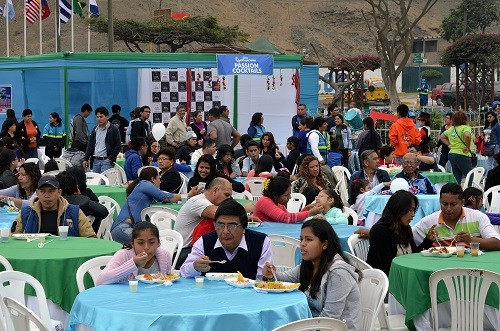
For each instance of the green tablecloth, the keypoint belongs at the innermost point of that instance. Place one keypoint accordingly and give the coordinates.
(55, 265)
(116, 192)
(409, 279)
(120, 162)
(177, 206)
(439, 177)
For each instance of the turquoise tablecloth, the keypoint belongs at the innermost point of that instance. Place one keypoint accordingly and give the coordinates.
(217, 306)
(6, 218)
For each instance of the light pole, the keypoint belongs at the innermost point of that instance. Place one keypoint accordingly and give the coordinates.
(111, 37)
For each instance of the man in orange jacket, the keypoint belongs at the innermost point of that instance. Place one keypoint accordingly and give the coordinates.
(403, 133)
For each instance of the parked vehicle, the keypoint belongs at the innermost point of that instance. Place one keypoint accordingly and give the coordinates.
(375, 91)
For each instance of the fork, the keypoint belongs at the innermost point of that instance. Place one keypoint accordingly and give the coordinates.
(221, 262)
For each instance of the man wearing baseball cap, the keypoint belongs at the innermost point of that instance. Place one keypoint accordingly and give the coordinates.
(49, 210)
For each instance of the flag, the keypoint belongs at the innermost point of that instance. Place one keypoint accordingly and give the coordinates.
(45, 9)
(32, 10)
(179, 16)
(77, 8)
(64, 11)
(11, 13)
(93, 9)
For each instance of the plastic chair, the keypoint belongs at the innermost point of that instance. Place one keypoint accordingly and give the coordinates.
(110, 203)
(243, 195)
(93, 267)
(296, 202)
(17, 281)
(256, 185)
(342, 187)
(172, 241)
(5, 264)
(140, 169)
(356, 262)
(438, 186)
(492, 206)
(473, 178)
(148, 212)
(315, 323)
(373, 289)
(467, 289)
(165, 219)
(284, 251)
(94, 178)
(390, 322)
(350, 212)
(21, 317)
(441, 168)
(184, 186)
(32, 160)
(52, 173)
(358, 246)
(44, 158)
(122, 173)
(62, 164)
(114, 176)
(341, 172)
(104, 231)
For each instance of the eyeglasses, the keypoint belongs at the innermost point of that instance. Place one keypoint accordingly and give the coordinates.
(409, 163)
(163, 159)
(230, 226)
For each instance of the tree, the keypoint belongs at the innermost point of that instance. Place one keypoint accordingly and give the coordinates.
(173, 33)
(431, 75)
(393, 36)
(476, 14)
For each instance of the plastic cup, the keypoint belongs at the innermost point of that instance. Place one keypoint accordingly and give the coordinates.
(460, 250)
(133, 285)
(63, 232)
(5, 235)
(474, 249)
(184, 198)
(199, 281)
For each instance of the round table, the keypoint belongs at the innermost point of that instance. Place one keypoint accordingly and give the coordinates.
(55, 265)
(409, 279)
(116, 192)
(182, 306)
(434, 176)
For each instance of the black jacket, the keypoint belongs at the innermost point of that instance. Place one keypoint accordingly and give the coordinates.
(22, 136)
(113, 143)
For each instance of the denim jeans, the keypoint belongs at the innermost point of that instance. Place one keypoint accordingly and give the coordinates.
(122, 233)
(32, 152)
(101, 165)
(460, 166)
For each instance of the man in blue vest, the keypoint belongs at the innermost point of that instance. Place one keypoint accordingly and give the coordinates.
(242, 249)
(49, 210)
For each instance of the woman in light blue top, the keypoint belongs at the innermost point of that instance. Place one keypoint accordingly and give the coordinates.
(140, 193)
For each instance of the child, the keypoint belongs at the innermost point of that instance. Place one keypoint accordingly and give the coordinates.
(361, 190)
(332, 207)
(329, 283)
(142, 256)
(335, 156)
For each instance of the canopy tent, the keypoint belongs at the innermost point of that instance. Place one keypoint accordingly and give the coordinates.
(62, 82)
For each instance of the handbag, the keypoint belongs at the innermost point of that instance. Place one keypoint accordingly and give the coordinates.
(473, 156)
(489, 150)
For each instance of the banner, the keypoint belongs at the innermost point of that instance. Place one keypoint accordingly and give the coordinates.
(244, 64)
(5, 98)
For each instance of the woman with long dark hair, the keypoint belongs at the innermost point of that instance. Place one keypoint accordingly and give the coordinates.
(199, 126)
(342, 133)
(311, 179)
(54, 136)
(27, 182)
(206, 171)
(329, 283)
(256, 129)
(391, 236)
(28, 134)
(491, 134)
(369, 138)
(226, 163)
(268, 146)
(8, 166)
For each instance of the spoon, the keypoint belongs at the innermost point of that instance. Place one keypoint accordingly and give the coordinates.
(41, 245)
(221, 262)
(32, 239)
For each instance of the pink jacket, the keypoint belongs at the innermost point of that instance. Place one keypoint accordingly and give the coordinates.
(267, 210)
(122, 267)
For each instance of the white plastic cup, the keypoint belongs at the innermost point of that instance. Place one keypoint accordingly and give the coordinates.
(133, 285)
(199, 281)
(184, 198)
(5, 235)
(63, 232)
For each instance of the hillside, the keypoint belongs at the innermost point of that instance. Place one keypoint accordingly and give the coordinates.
(335, 27)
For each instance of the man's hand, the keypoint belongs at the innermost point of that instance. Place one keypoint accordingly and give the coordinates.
(432, 234)
(363, 233)
(463, 237)
(85, 164)
(268, 270)
(202, 264)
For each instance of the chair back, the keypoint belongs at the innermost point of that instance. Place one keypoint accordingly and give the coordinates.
(315, 323)
(52, 173)
(93, 267)
(467, 290)
(140, 169)
(342, 187)
(172, 241)
(148, 212)
(122, 173)
(114, 176)
(62, 164)
(441, 168)
(184, 186)
(341, 172)
(165, 219)
(358, 246)
(256, 186)
(284, 250)
(473, 178)
(348, 211)
(32, 160)
(296, 203)
(243, 195)
(373, 289)
(22, 317)
(356, 262)
(93, 178)
(491, 199)
(109, 203)
(5, 264)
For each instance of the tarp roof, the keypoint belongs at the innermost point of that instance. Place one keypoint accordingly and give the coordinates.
(262, 45)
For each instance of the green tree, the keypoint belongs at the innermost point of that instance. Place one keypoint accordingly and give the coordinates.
(471, 15)
(173, 33)
(431, 75)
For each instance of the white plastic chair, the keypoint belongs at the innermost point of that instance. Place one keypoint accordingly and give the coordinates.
(62, 164)
(256, 186)
(284, 251)
(348, 211)
(109, 203)
(32, 160)
(185, 181)
(315, 323)
(438, 186)
(492, 206)
(356, 262)
(467, 289)
(104, 231)
(358, 246)
(21, 317)
(243, 195)
(17, 281)
(373, 289)
(114, 176)
(52, 173)
(140, 169)
(122, 173)
(441, 168)
(5, 264)
(341, 172)
(342, 187)
(475, 175)
(296, 202)
(165, 219)
(390, 322)
(93, 267)
(149, 211)
(172, 241)
(94, 178)
(44, 158)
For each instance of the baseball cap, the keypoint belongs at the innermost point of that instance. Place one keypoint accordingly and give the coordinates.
(48, 180)
(190, 134)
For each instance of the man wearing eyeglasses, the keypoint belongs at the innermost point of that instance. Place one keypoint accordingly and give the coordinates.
(141, 127)
(238, 248)
(419, 184)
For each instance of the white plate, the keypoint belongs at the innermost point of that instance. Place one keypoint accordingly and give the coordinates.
(267, 290)
(24, 236)
(220, 275)
(141, 279)
(235, 283)
(426, 253)
(254, 224)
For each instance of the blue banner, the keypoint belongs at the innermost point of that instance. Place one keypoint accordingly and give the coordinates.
(244, 64)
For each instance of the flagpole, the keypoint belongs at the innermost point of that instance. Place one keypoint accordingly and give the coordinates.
(40, 25)
(25, 28)
(72, 40)
(7, 27)
(88, 32)
(55, 21)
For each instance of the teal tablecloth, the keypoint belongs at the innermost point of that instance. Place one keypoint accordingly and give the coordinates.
(181, 306)
(6, 219)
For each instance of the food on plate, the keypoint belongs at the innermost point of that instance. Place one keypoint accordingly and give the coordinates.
(438, 250)
(160, 276)
(12, 209)
(277, 285)
(240, 277)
